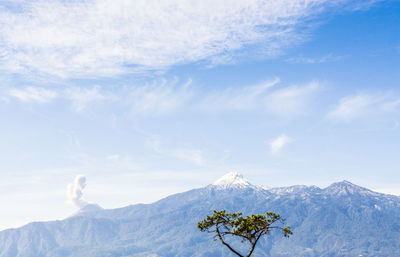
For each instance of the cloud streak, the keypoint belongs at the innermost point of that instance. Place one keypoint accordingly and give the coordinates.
(268, 97)
(292, 100)
(244, 98)
(158, 98)
(278, 143)
(316, 60)
(106, 38)
(191, 155)
(164, 97)
(33, 94)
(362, 105)
(81, 97)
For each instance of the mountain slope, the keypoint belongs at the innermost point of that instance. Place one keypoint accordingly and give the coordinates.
(340, 220)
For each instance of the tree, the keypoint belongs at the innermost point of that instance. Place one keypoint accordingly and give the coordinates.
(249, 228)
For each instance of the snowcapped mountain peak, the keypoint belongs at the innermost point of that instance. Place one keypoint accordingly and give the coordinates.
(343, 184)
(346, 183)
(232, 179)
(345, 188)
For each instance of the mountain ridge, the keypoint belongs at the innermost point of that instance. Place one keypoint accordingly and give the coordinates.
(325, 222)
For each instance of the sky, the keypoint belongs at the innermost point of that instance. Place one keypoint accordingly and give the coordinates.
(123, 102)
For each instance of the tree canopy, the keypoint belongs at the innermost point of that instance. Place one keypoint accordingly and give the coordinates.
(249, 229)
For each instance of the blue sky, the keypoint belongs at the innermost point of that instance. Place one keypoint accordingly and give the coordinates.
(147, 99)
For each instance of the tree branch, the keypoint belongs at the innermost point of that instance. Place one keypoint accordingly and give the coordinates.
(226, 244)
(233, 234)
(253, 245)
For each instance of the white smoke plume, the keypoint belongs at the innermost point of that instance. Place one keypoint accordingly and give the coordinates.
(75, 192)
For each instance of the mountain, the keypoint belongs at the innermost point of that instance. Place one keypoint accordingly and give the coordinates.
(340, 220)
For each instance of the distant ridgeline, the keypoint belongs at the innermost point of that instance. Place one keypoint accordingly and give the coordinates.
(340, 220)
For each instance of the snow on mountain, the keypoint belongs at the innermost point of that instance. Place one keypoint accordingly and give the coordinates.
(346, 187)
(298, 189)
(340, 220)
(230, 180)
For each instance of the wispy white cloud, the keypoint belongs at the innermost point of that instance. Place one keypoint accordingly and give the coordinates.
(244, 98)
(160, 97)
(106, 38)
(278, 143)
(33, 94)
(361, 105)
(156, 98)
(192, 155)
(282, 101)
(81, 97)
(315, 60)
(293, 100)
(164, 97)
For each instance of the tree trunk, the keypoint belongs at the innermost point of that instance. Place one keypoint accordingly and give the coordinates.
(226, 244)
(253, 246)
